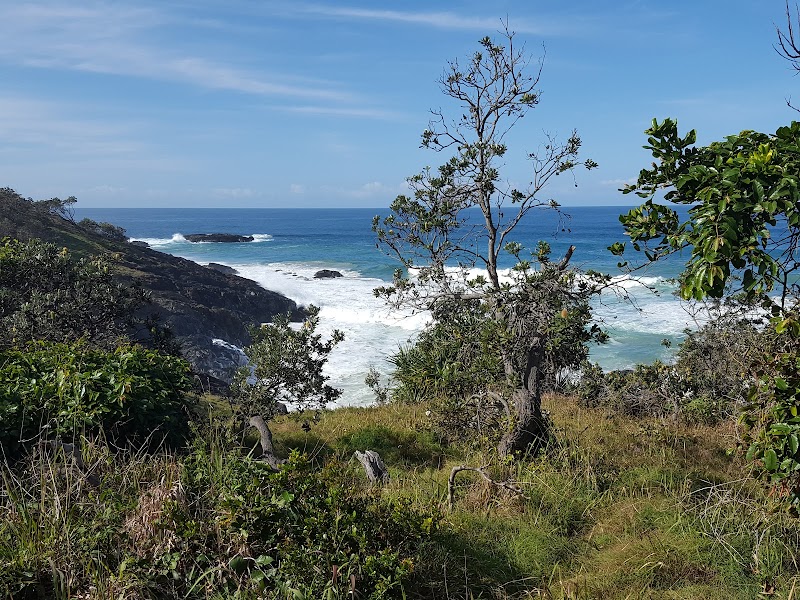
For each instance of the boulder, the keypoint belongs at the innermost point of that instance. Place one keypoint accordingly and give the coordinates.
(327, 274)
(140, 244)
(222, 268)
(228, 238)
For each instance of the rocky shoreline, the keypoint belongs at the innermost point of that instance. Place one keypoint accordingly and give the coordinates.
(200, 305)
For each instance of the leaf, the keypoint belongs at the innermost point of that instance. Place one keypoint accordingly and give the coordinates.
(770, 460)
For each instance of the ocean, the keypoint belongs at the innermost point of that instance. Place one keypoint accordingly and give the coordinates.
(290, 245)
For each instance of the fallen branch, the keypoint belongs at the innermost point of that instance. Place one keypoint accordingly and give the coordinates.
(507, 485)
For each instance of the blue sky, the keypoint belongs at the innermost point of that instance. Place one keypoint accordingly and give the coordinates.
(291, 104)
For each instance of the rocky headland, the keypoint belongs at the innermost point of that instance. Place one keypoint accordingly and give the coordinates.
(200, 305)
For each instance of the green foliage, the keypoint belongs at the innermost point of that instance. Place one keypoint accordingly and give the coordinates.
(304, 530)
(46, 295)
(62, 390)
(107, 230)
(213, 523)
(456, 365)
(55, 206)
(453, 357)
(744, 215)
(742, 233)
(714, 370)
(287, 366)
(772, 418)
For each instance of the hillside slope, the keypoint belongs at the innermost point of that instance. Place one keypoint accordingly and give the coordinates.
(198, 304)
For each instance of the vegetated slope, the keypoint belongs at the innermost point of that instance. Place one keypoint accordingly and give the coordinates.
(196, 303)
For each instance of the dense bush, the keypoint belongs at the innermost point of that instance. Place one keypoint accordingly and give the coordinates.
(213, 524)
(65, 390)
(46, 295)
(106, 230)
(715, 368)
(456, 363)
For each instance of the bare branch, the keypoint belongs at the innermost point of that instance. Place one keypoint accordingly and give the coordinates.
(506, 485)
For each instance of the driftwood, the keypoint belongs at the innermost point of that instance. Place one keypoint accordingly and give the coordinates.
(451, 482)
(267, 449)
(373, 465)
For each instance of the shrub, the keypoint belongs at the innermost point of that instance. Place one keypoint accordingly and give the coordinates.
(68, 389)
(714, 369)
(106, 230)
(46, 295)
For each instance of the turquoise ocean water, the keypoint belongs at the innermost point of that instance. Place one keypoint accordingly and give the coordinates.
(292, 244)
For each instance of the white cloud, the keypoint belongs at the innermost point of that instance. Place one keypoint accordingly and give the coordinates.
(113, 39)
(235, 192)
(297, 188)
(332, 111)
(26, 122)
(439, 20)
(618, 182)
(373, 190)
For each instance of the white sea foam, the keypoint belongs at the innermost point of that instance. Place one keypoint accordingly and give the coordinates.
(176, 238)
(635, 317)
(373, 331)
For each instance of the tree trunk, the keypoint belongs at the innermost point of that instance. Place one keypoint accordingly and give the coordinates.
(530, 429)
(267, 450)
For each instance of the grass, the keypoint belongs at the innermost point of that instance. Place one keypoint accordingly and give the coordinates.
(615, 508)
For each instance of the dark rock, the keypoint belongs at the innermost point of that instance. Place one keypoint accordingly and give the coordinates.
(140, 244)
(327, 274)
(228, 238)
(222, 268)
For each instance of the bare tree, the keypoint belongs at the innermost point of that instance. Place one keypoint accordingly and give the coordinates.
(788, 46)
(463, 215)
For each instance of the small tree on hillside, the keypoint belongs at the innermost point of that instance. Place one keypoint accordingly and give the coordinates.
(438, 236)
(286, 365)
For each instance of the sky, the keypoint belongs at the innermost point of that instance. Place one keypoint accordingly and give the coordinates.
(266, 103)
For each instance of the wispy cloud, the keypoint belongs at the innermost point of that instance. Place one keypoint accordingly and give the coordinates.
(235, 192)
(440, 19)
(618, 182)
(333, 111)
(30, 122)
(373, 190)
(119, 40)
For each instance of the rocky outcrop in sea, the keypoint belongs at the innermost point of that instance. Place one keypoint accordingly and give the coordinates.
(226, 238)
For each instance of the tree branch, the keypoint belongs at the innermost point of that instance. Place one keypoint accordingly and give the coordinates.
(451, 482)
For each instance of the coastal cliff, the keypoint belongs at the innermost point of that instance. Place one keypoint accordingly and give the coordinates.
(208, 311)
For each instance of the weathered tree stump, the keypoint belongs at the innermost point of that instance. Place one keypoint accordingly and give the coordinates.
(373, 465)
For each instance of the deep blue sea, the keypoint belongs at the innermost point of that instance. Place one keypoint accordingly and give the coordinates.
(292, 244)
